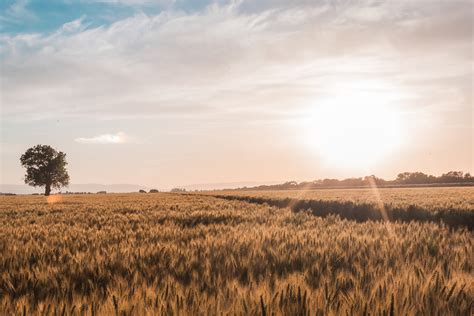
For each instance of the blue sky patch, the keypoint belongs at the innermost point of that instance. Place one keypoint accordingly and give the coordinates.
(22, 16)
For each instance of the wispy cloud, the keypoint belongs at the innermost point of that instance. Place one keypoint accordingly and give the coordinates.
(237, 58)
(118, 138)
(73, 26)
(18, 12)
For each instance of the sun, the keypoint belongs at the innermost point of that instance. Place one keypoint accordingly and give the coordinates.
(354, 132)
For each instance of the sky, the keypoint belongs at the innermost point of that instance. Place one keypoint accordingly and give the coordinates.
(168, 93)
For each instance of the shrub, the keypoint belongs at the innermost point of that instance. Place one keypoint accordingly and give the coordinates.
(178, 190)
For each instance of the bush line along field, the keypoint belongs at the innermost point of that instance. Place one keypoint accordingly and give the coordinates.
(176, 254)
(452, 206)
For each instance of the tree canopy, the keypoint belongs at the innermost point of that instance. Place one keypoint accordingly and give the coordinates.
(45, 166)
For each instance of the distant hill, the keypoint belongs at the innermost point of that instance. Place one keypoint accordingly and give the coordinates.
(125, 188)
(225, 185)
(88, 187)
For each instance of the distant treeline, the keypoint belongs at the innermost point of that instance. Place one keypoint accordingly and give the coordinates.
(403, 179)
(178, 190)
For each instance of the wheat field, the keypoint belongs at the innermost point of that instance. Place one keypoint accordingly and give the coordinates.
(177, 254)
(428, 197)
(451, 206)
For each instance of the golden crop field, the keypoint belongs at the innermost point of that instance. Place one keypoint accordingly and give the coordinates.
(428, 197)
(176, 254)
(451, 206)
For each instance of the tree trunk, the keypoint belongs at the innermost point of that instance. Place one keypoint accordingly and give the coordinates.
(47, 190)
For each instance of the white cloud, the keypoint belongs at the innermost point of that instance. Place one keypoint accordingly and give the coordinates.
(73, 26)
(119, 138)
(237, 58)
(18, 12)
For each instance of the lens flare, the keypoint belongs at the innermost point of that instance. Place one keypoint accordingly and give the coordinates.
(52, 199)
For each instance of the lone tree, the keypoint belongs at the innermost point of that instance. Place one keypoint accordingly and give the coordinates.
(45, 166)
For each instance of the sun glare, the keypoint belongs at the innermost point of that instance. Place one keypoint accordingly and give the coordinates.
(52, 199)
(355, 132)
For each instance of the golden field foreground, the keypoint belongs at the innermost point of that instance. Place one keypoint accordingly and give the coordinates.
(173, 254)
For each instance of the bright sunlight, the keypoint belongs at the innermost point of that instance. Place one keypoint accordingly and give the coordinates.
(354, 132)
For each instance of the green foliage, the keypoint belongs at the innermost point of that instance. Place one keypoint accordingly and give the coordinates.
(45, 166)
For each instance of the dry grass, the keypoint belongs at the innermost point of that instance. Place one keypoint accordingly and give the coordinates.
(181, 254)
(439, 197)
(451, 206)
